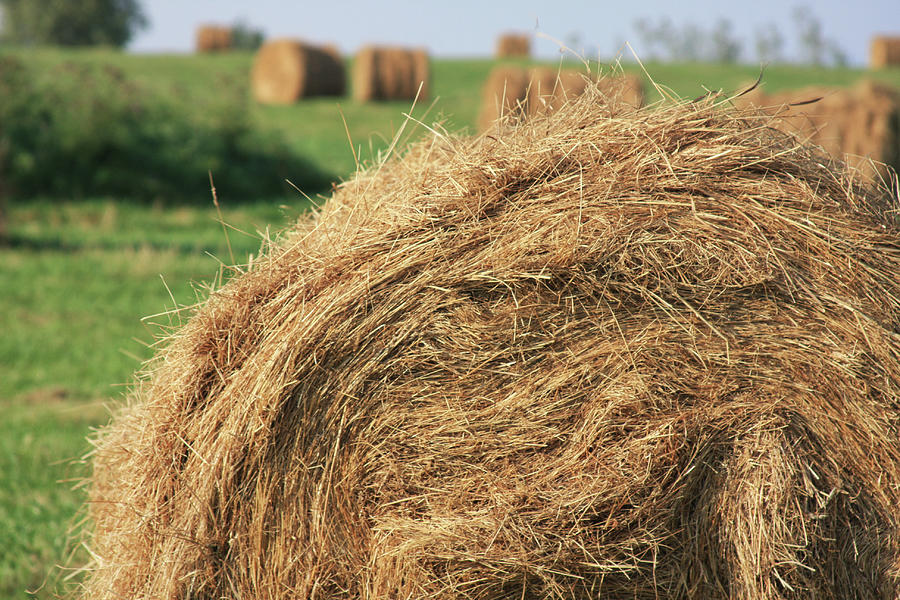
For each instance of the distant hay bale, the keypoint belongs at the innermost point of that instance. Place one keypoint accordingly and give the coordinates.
(516, 92)
(504, 93)
(212, 38)
(884, 51)
(513, 45)
(387, 73)
(607, 353)
(855, 124)
(287, 70)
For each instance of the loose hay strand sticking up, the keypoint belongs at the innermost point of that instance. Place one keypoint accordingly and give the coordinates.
(604, 352)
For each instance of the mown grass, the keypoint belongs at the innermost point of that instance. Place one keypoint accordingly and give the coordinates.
(77, 276)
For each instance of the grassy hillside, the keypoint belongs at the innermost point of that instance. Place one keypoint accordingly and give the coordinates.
(78, 276)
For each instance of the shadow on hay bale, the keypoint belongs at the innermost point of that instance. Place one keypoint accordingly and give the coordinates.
(604, 353)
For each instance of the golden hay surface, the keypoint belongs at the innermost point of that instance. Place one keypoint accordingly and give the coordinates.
(884, 51)
(604, 353)
(517, 92)
(212, 38)
(855, 124)
(513, 45)
(391, 73)
(286, 70)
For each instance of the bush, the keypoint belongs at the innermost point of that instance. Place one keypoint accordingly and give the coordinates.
(246, 37)
(67, 23)
(88, 131)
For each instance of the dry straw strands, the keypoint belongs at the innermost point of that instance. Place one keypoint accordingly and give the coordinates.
(602, 353)
(212, 38)
(519, 91)
(287, 70)
(513, 45)
(386, 73)
(855, 124)
(884, 51)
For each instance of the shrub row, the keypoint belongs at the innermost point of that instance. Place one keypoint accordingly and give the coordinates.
(84, 130)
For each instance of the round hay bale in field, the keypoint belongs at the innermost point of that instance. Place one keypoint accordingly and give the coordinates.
(624, 88)
(570, 85)
(513, 45)
(544, 86)
(386, 73)
(884, 51)
(519, 92)
(503, 94)
(607, 352)
(852, 124)
(550, 89)
(212, 38)
(286, 70)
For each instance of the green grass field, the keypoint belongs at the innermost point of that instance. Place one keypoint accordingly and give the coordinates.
(78, 276)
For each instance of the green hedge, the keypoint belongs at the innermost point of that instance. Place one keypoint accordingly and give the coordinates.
(81, 130)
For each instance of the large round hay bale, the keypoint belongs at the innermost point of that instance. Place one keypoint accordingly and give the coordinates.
(859, 124)
(649, 355)
(212, 38)
(388, 73)
(515, 92)
(884, 51)
(624, 88)
(513, 45)
(542, 85)
(286, 70)
(503, 94)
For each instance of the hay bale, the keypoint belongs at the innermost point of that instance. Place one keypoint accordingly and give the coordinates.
(625, 88)
(543, 87)
(286, 70)
(389, 73)
(607, 353)
(503, 94)
(517, 92)
(884, 51)
(212, 38)
(550, 89)
(854, 125)
(513, 45)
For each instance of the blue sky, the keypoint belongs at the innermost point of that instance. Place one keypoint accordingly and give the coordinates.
(469, 27)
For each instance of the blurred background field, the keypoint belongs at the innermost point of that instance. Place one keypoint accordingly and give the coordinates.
(109, 219)
(214, 89)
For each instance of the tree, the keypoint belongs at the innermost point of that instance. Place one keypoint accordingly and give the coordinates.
(70, 22)
(769, 43)
(688, 43)
(656, 38)
(818, 50)
(809, 32)
(725, 47)
(246, 37)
